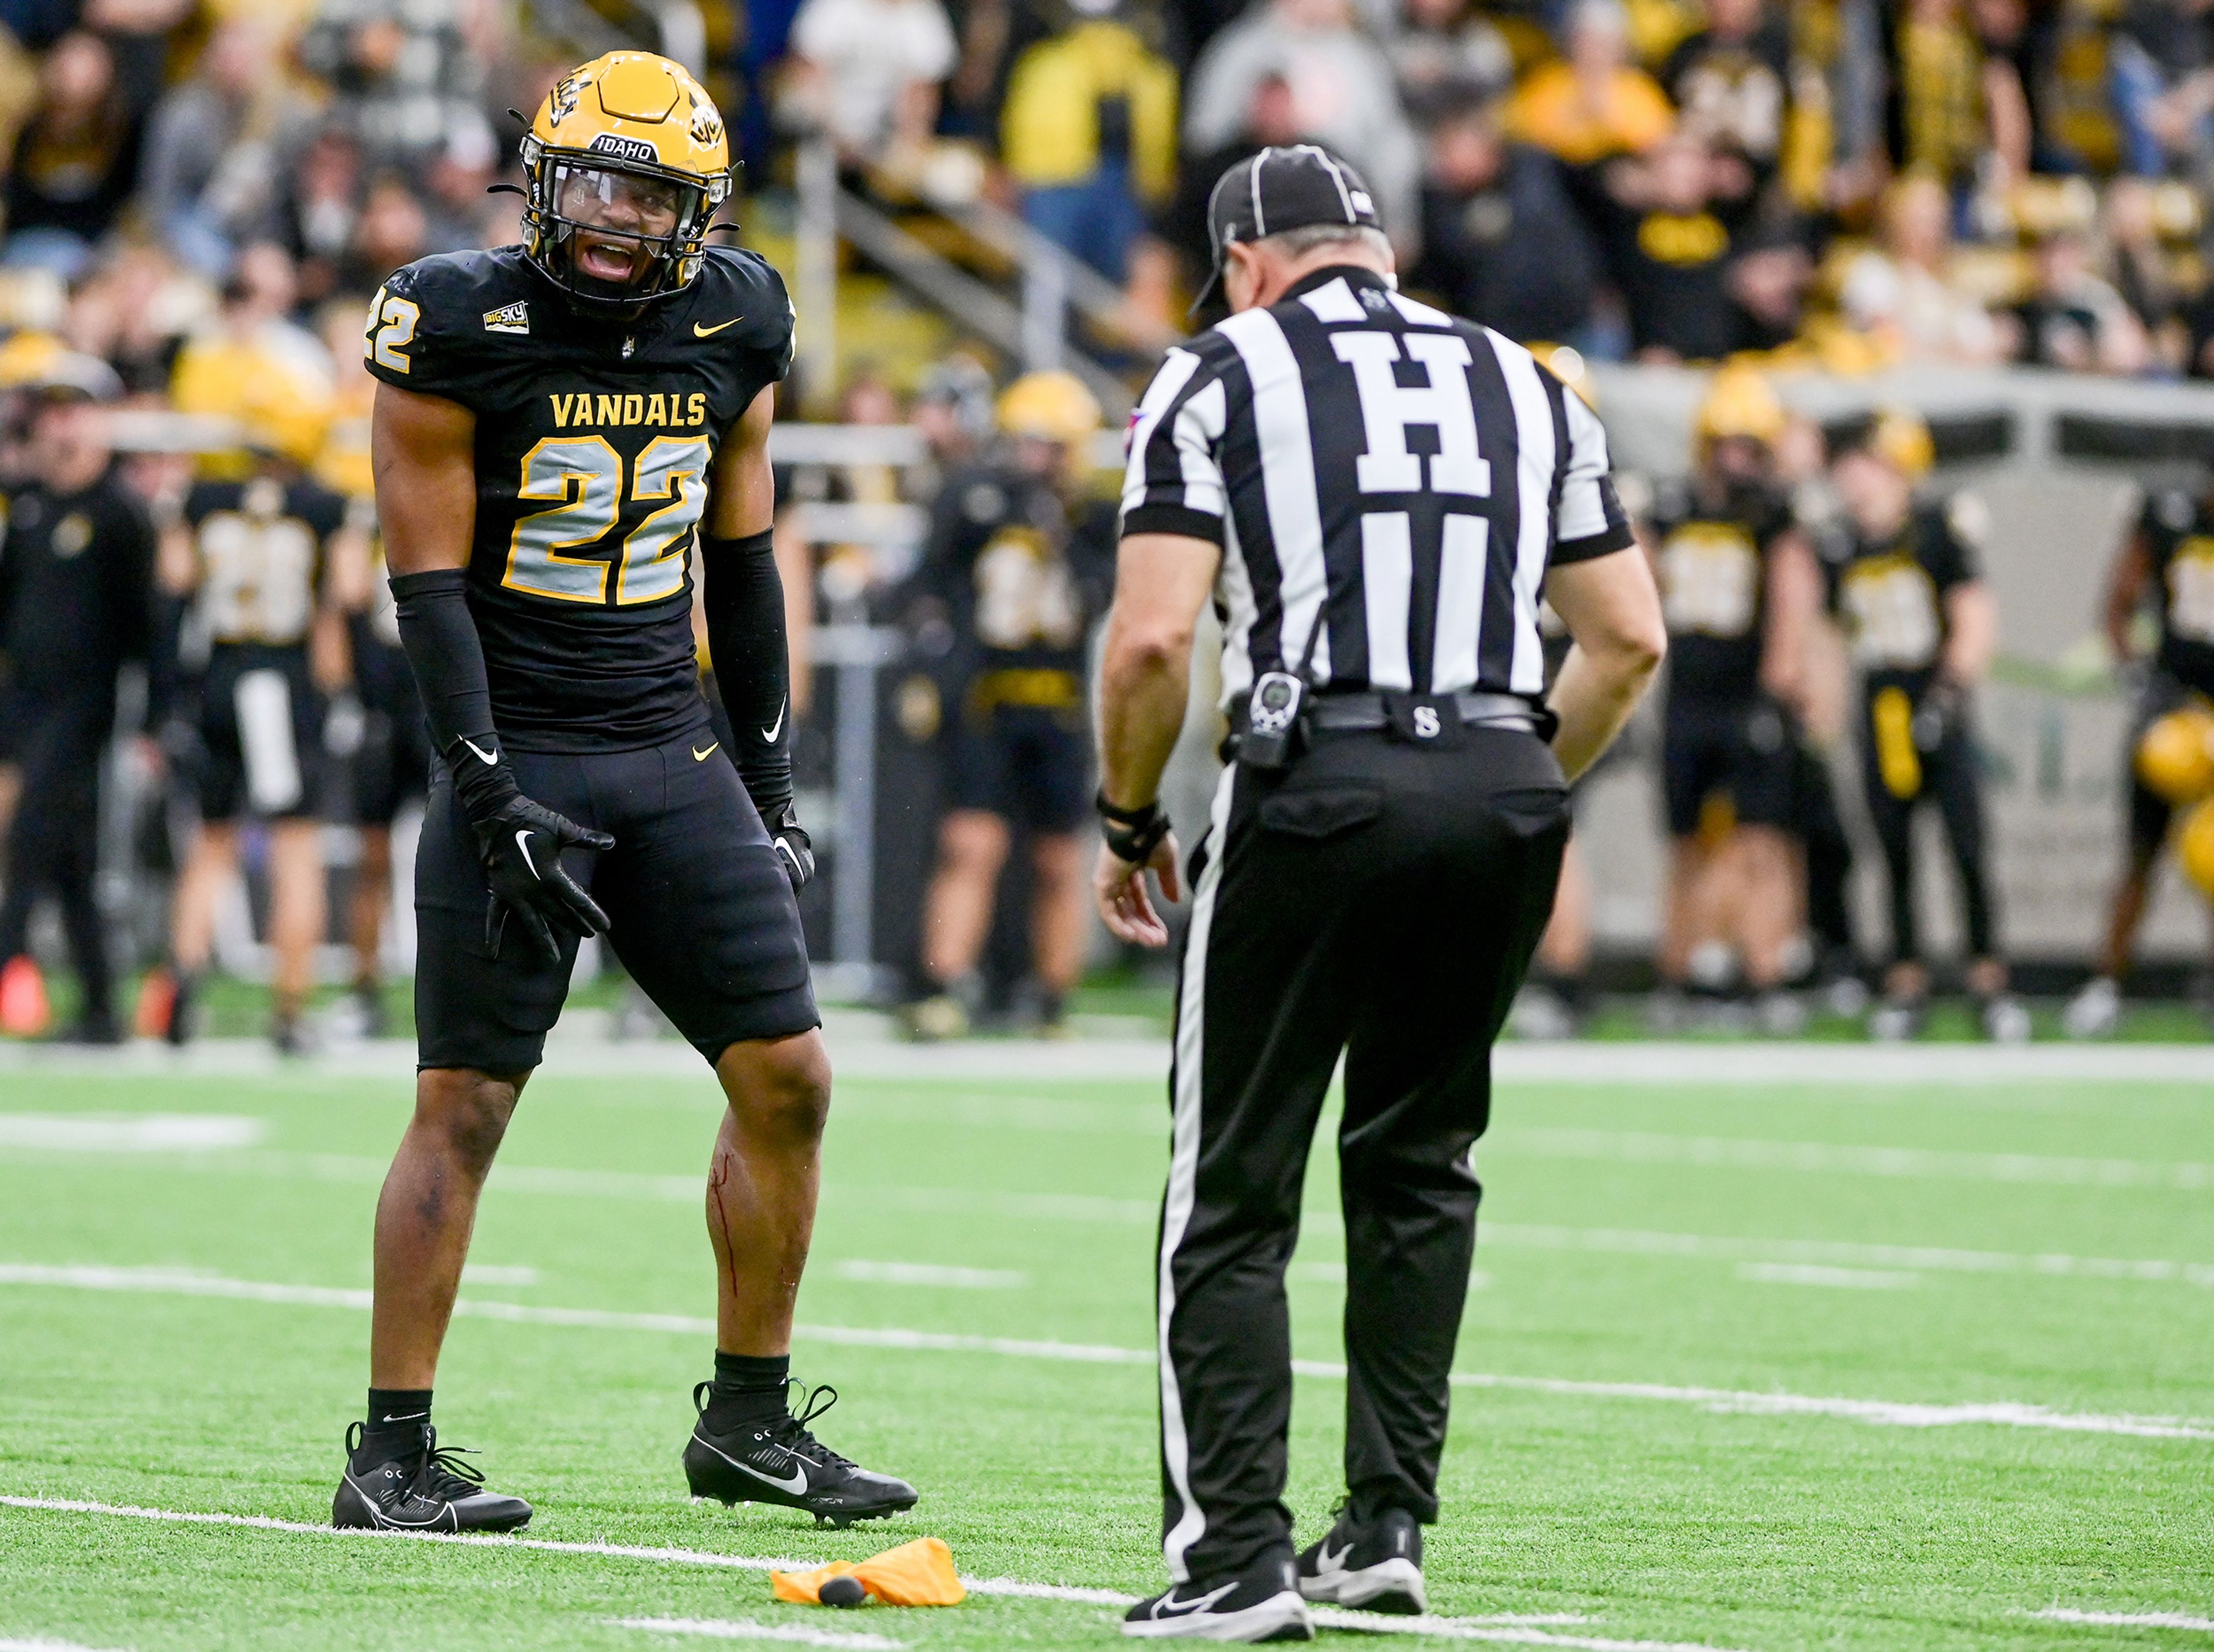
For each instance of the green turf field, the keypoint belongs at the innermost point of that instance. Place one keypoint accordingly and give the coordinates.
(1843, 1364)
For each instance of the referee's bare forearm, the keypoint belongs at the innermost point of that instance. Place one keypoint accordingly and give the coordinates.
(1161, 583)
(1613, 612)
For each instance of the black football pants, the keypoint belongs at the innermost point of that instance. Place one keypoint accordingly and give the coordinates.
(1382, 900)
(1950, 780)
(54, 843)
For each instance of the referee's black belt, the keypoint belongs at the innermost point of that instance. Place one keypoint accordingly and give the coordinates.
(1349, 712)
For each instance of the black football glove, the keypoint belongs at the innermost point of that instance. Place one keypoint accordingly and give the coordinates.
(522, 843)
(793, 846)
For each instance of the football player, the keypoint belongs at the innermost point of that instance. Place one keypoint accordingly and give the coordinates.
(1740, 589)
(1018, 563)
(562, 428)
(1902, 581)
(253, 556)
(2167, 561)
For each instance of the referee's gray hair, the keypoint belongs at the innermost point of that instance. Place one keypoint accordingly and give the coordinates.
(1297, 243)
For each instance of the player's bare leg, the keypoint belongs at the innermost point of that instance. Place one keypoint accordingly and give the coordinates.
(1768, 920)
(747, 1445)
(372, 897)
(296, 922)
(956, 914)
(211, 864)
(2097, 1009)
(426, 1214)
(762, 1186)
(1060, 904)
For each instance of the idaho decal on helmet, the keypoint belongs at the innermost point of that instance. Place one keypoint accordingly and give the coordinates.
(628, 162)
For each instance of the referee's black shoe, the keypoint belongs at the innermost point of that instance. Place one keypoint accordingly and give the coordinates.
(777, 1461)
(429, 1489)
(1375, 1564)
(1261, 1603)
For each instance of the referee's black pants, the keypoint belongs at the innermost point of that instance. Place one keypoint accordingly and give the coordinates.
(54, 843)
(1380, 899)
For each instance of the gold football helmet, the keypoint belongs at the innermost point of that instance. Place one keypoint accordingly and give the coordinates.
(628, 162)
(1050, 408)
(1900, 438)
(1740, 403)
(2175, 755)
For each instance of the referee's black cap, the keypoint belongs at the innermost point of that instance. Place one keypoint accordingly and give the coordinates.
(1288, 187)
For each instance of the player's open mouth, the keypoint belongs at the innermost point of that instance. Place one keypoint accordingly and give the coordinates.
(608, 260)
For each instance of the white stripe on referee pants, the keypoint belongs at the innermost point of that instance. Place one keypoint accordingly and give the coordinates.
(1184, 1170)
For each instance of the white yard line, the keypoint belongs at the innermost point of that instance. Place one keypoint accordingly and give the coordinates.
(1803, 1273)
(859, 1050)
(2128, 1620)
(40, 1643)
(929, 1274)
(1739, 1152)
(1881, 1413)
(1921, 1258)
(129, 1132)
(719, 1629)
(1519, 1624)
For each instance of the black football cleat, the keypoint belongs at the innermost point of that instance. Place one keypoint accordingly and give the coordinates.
(429, 1489)
(1375, 1564)
(1261, 1603)
(780, 1462)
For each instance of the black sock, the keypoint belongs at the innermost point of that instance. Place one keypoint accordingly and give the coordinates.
(397, 1417)
(748, 1388)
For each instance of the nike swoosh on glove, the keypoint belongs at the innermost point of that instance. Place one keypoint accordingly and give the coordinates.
(794, 848)
(523, 843)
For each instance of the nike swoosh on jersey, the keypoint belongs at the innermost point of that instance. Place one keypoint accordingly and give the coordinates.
(699, 332)
(772, 731)
(522, 843)
(492, 756)
(699, 756)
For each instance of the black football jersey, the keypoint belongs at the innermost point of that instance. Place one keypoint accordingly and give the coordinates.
(1712, 560)
(1889, 595)
(2177, 532)
(1022, 575)
(262, 545)
(594, 439)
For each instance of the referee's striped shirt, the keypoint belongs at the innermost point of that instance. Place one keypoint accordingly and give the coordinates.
(1408, 474)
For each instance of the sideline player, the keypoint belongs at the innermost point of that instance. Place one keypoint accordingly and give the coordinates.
(560, 424)
(2167, 561)
(255, 558)
(1378, 495)
(1742, 590)
(1019, 562)
(1904, 581)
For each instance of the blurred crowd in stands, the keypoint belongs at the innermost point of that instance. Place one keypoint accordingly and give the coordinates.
(200, 199)
(1970, 182)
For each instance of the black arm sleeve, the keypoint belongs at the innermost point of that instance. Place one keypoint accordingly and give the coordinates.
(439, 636)
(745, 604)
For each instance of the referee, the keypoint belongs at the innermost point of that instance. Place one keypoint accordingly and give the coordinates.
(1375, 495)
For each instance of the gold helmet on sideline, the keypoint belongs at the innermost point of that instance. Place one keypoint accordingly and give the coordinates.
(1900, 438)
(1567, 364)
(1050, 408)
(2175, 755)
(634, 142)
(1740, 403)
(2194, 847)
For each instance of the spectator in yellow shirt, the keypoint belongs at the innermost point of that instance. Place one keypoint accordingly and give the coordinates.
(1089, 131)
(1592, 105)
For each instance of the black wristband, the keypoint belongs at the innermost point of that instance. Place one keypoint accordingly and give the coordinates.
(744, 605)
(1132, 835)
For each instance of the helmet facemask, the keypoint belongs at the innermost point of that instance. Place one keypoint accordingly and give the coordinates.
(590, 209)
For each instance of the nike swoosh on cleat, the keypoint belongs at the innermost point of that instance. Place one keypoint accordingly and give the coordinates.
(1327, 1562)
(699, 756)
(771, 731)
(796, 1486)
(522, 843)
(1170, 1606)
(699, 332)
(445, 1513)
(492, 756)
